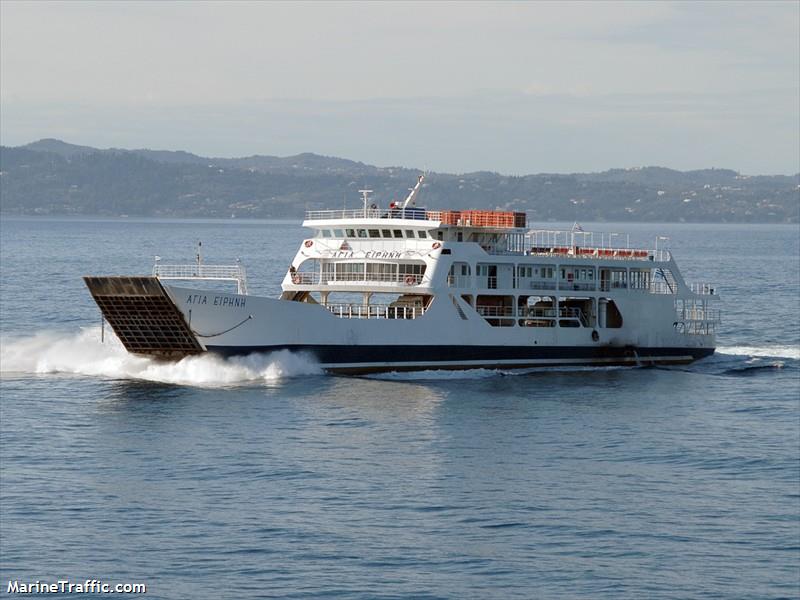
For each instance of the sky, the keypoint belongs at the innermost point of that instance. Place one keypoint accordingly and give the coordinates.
(516, 87)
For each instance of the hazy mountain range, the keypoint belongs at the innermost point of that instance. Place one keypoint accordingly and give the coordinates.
(52, 177)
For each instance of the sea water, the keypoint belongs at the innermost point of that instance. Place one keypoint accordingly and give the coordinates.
(263, 477)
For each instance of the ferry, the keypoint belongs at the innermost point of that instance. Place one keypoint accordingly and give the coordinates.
(403, 288)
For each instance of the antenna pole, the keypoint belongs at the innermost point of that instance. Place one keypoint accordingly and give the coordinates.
(365, 194)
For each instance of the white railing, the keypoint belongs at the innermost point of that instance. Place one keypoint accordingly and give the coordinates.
(205, 272)
(703, 289)
(563, 312)
(663, 287)
(459, 281)
(699, 314)
(541, 284)
(414, 214)
(486, 281)
(588, 244)
(586, 286)
(495, 311)
(377, 311)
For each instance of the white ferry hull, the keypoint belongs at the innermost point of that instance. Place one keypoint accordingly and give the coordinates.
(234, 325)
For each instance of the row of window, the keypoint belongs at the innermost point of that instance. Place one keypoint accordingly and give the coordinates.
(373, 233)
(548, 272)
(536, 271)
(373, 268)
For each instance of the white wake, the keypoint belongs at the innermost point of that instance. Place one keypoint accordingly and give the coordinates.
(84, 354)
(761, 351)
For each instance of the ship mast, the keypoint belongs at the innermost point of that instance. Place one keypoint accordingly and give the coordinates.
(365, 195)
(411, 199)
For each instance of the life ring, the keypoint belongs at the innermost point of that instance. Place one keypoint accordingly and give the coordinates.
(410, 280)
(308, 243)
(296, 278)
(436, 245)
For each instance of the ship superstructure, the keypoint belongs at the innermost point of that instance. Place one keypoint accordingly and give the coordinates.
(405, 288)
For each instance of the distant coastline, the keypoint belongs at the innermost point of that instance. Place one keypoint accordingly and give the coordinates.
(53, 178)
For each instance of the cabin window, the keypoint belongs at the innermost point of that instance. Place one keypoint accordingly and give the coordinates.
(362, 233)
(640, 280)
(382, 271)
(350, 271)
(326, 233)
(409, 233)
(374, 233)
(397, 233)
(338, 233)
(422, 235)
(459, 269)
(386, 233)
(619, 278)
(409, 269)
(351, 233)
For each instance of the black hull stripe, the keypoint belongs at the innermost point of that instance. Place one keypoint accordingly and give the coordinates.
(365, 359)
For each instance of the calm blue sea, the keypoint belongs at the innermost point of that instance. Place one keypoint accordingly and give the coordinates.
(265, 478)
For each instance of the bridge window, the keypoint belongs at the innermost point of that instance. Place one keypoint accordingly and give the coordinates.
(326, 233)
(351, 233)
(409, 233)
(362, 233)
(387, 233)
(397, 233)
(338, 233)
(374, 233)
(422, 234)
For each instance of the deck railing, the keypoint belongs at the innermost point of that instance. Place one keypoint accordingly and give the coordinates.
(539, 284)
(703, 289)
(415, 214)
(459, 281)
(204, 272)
(699, 314)
(564, 312)
(495, 311)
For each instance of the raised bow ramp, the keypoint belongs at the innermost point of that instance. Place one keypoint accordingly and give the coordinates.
(143, 316)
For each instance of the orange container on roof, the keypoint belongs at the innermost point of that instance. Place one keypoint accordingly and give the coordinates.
(487, 218)
(482, 218)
